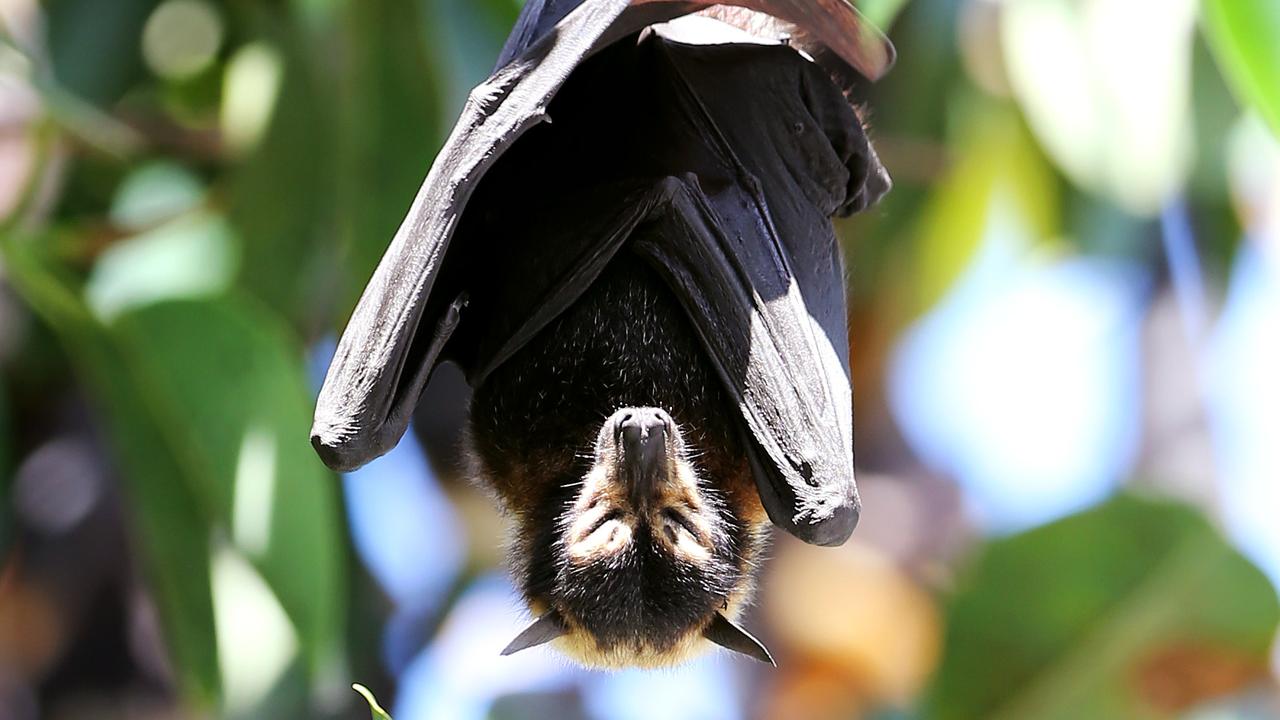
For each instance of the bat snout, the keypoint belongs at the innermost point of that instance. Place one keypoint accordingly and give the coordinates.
(641, 436)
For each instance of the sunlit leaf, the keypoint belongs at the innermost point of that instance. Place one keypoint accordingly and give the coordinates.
(190, 256)
(1245, 35)
(1095, 615)
(227, 384)
(250, 91)
(153, 194)
(1106, 89)
(257, 642)
(374, 707)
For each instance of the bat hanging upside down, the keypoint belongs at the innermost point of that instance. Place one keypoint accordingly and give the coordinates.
(626, 245)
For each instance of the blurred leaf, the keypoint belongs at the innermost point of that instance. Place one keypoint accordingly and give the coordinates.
(155, 193)
(190, 256)
(997, 169)
(250, 89)
(881, 13)
(257, 643)
(7, 469)
(1072, 619)
(281, 199)
(172, 524)
(1245, 35)
(227, 384)
(6, 459)
(210, 414)
(864, 619)
(96, 47)
(390, 107)
(1111, 108)
(374, 707)
(345, 151)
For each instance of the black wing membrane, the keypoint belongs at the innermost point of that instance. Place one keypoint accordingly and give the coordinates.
(649, 131)
(381, 365)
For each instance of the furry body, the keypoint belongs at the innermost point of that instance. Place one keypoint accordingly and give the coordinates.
(534, 423)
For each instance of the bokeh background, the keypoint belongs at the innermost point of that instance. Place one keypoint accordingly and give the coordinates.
(1066, 339)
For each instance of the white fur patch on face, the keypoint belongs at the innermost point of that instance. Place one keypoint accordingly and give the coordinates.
(682, 542)
(601, 525)
(599, 537)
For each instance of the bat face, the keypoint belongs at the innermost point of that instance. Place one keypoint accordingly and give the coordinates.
(645, 557)
(633, 533)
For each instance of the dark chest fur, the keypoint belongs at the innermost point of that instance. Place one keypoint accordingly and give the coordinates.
(626, 342)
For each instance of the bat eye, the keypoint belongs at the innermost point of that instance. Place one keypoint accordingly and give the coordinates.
(611, 515)
(686, 535)
(683, 521)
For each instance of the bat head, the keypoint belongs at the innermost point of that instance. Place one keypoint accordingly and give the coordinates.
(646, 559)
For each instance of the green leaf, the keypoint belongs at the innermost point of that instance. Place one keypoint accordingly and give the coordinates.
(281, 197)
(209, 414)
(173, 526)
(881, 13)
(390, 104)
(1112, 109)
(374, 708)
(1245, 36)
(1062, 621)
(227, 383)
(95, 47)
(189, 256)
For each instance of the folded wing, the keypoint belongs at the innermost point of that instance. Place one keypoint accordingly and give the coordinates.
(649, 131)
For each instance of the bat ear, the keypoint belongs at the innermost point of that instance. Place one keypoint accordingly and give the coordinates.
(543, 630)
(723, 632)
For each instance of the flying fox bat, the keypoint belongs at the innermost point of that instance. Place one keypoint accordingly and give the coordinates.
(626, 245)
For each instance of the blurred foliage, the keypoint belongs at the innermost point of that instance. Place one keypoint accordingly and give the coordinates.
(188, 215)
(167, 511)
(1244, 34)
(997, 166)
(1137, 609)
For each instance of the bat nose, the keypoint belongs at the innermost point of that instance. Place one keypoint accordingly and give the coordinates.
(642, 437)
